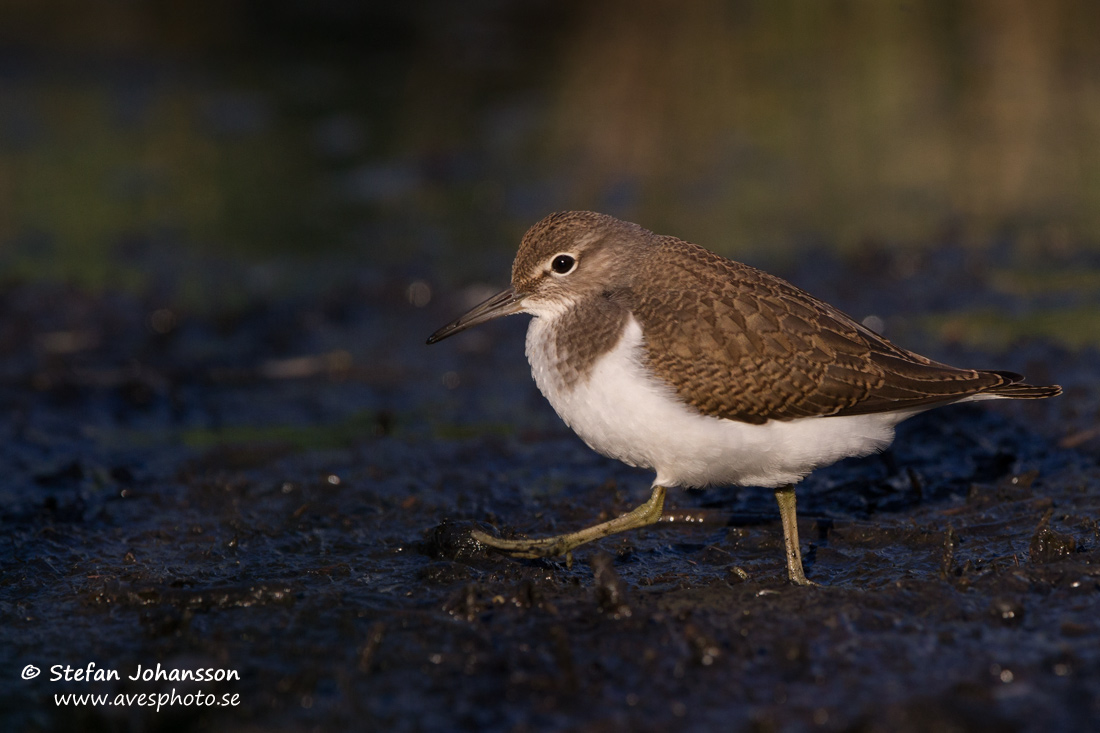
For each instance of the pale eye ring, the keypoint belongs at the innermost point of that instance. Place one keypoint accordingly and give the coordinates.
(563, 264)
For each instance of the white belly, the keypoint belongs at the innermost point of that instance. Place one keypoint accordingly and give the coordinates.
(625, 413)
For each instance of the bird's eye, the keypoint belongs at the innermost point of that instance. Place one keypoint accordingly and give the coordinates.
(563, 264)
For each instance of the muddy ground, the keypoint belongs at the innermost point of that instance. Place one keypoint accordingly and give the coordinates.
(281, 489)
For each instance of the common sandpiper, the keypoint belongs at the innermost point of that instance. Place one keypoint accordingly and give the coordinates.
(667, 356)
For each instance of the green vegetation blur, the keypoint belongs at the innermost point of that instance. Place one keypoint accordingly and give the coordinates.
(392, 130)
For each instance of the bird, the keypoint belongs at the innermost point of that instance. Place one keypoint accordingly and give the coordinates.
(664, 355)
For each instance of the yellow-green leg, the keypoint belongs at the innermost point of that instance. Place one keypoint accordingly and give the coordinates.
(641, 516)
(786, 499)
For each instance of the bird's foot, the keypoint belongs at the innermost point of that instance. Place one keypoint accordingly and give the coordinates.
(640, 516)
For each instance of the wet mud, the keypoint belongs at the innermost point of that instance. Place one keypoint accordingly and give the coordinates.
(286, 490)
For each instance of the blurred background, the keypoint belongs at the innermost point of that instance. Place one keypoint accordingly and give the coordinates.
(213, 150)
(228, 226)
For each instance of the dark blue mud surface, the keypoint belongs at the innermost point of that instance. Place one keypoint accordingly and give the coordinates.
(282, 490)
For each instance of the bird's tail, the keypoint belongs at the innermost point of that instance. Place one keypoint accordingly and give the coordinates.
(1015, 388)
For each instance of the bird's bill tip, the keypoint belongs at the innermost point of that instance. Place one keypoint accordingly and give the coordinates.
(504, 303)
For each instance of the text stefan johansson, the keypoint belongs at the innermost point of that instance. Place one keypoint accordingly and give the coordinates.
(91, 673)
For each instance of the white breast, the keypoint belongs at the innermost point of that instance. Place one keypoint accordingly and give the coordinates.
(624, 412)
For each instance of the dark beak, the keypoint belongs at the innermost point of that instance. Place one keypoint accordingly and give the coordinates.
(504, 303)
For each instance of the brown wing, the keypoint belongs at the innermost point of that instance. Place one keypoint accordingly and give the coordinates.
(738, 343)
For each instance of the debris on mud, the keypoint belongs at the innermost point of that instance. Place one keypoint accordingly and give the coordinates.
(220, 500)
